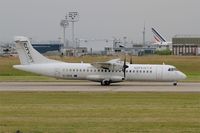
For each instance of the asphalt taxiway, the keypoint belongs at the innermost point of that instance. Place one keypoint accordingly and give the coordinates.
(96, 87)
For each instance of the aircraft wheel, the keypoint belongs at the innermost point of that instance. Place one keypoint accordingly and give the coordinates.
(105, 83)
(175, 83)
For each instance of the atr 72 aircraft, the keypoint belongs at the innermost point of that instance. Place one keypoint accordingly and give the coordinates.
(104, 72)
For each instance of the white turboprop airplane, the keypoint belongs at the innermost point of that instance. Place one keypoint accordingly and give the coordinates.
(104, 72)
(159, 39)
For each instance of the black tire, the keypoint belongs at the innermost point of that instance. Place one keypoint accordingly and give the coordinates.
(175, 84)
(105, 83)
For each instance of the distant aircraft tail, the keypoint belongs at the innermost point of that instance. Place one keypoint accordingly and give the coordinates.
(158, 37)
(27, 54)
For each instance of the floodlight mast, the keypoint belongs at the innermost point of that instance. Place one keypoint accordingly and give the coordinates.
(144, 34)
(73, 17)
(64, 23)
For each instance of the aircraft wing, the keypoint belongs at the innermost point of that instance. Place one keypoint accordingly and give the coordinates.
(115, 64)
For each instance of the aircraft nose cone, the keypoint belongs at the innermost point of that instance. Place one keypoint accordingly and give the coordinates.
(183, 76)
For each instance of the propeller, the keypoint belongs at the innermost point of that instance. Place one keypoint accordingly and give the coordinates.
(125, 67)
(131, 59)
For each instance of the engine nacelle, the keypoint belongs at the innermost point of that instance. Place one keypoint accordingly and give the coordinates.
(115, 79)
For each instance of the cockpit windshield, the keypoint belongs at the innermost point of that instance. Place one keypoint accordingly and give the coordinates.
(172, 69)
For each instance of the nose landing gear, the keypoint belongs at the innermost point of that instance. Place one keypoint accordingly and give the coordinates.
(175, 83)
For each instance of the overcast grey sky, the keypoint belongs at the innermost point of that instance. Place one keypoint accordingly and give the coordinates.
(40, 19)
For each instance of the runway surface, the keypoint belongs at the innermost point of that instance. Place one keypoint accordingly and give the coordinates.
(96, 87)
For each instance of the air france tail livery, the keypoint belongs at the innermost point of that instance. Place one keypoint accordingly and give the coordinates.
(104, 72)
(159, 39)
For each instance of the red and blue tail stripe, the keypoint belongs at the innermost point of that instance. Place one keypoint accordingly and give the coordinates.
(157, 36)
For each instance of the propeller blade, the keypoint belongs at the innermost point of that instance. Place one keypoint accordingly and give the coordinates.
(131, 60)
(125, 67)
(125, 61)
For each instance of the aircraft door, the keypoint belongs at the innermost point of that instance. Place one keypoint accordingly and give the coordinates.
(159, 73)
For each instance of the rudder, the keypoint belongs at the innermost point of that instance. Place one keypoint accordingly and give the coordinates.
(27, 54)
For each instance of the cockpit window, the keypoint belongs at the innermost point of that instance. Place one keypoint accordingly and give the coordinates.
(172, 69)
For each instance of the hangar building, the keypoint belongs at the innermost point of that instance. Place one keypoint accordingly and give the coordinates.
(186, 45)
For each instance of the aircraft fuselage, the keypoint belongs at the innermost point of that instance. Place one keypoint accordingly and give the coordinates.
(85, 71)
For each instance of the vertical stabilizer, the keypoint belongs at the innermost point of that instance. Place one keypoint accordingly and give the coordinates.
(27, 54)
(157, 36)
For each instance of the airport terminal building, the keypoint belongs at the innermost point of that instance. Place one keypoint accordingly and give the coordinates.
(186, 45)
(47, 47)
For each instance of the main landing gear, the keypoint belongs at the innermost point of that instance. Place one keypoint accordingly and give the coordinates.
(105, 83)
(175, 83)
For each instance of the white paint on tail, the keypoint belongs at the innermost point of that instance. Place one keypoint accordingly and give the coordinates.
(27, 54)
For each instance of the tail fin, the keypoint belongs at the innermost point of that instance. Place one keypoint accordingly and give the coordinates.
(158, 37)
(27, 54)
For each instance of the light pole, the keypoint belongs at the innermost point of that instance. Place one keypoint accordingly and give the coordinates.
(73, 17)
(64, 23)
(144, 34)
